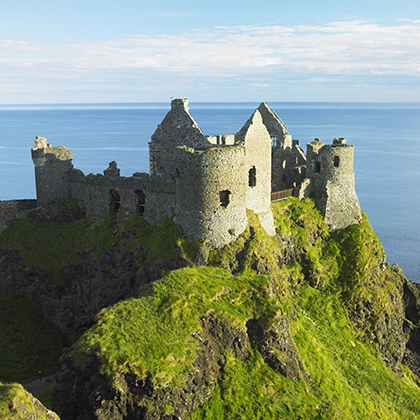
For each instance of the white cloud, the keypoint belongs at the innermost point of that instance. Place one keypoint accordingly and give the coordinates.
(271, 55)
(10, 45)
(338, 47)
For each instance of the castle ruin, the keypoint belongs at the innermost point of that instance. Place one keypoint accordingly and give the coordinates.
(206, 183)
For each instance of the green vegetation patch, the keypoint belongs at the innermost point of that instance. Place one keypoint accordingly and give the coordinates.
(27, 344)
(348, 380)
(50, 246)
(16, 404)
(162, 240)
(345, 371)
(153, 334)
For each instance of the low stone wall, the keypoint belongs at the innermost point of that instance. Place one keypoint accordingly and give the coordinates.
(14, 209)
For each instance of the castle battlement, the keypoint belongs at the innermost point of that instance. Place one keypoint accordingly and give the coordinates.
(206, 183)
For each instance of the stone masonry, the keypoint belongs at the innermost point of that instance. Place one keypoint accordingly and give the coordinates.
(206, 183)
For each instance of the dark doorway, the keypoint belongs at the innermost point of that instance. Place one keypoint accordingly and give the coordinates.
(114, 201)
(140, 202)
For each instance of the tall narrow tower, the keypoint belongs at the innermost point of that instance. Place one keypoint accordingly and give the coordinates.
(51, 167)
(330, 169)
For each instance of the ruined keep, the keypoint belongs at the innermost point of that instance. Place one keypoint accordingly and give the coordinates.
(206, 183)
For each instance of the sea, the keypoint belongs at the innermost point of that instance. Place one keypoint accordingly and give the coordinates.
(386, 139)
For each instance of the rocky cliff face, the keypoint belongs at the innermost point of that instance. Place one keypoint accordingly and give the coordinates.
(222, 325)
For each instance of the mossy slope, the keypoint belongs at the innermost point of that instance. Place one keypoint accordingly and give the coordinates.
(305, 324)
(17, 404)
(345, 310)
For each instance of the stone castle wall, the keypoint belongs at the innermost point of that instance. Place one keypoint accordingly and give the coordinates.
(207, 182)
(257, 142)
(178, 128)
(123, 196)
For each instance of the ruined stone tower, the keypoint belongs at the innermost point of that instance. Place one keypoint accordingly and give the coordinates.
(217, 177)
(51, 170)
(288, 160)
(331, 174)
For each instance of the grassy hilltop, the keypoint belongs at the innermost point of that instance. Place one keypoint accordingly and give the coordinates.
(308, 324)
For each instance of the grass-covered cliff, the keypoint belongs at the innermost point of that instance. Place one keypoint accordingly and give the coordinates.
(306, 324)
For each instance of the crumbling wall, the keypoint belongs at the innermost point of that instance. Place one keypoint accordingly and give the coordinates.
(123, 196)
(178, 128)
(51, 167)
(209, 181)
(257, 142)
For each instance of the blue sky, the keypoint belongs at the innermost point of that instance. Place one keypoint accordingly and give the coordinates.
(137, 51)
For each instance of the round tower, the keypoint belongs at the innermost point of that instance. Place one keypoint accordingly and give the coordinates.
(330, 169)
(211, 188)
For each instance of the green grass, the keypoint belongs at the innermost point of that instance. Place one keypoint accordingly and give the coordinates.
(50, 247)
(46, 398)
(348, 378)
(336, 276)
(161, 241)
(153, 334)
(17, 404)
(27, 344)
(344, 370)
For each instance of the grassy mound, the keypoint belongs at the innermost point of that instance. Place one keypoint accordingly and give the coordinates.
(50, 247)
(153, 334)
(336, 275)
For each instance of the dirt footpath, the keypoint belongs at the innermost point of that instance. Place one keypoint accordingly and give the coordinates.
(38, 386)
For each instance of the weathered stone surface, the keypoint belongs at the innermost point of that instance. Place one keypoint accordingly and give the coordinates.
(278, 349)
(331, 173)
(206, 183)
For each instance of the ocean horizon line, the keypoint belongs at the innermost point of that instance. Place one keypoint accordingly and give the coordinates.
(200, 104)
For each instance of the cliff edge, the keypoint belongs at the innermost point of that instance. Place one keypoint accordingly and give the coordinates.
(308, 321)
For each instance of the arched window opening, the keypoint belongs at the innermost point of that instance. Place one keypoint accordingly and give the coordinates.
(274, 141)
(224, 198)
(336, 161)
(140, 202)
(114, 201)
(252, 177)
(317, 166)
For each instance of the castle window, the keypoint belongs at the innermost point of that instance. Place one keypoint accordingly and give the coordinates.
(336, 161)
(114, 201)
(252, 175)
(317, 166)
(274, 141)
(224, 198)
(140, 202)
